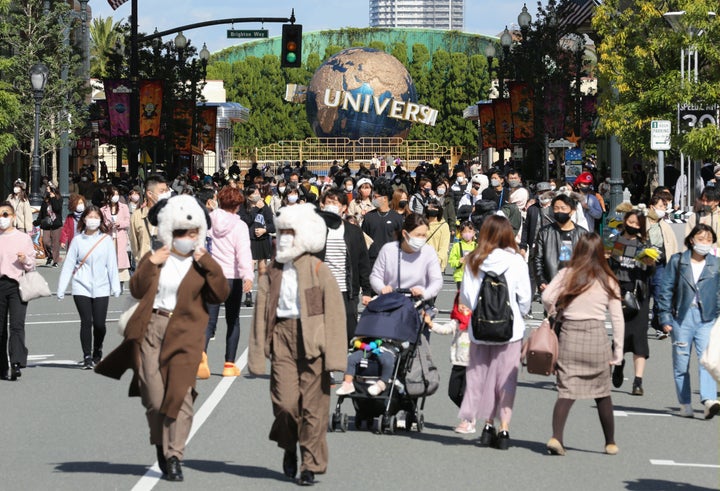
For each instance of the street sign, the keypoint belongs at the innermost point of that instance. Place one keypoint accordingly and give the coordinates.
(660, 134)
(247, 33)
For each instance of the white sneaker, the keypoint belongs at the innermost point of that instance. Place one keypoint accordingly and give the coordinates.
(377, 388)
(345, 389)
(686, 411)
(465, 427)
(712, 407)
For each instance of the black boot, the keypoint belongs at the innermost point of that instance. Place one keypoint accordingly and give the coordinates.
(15, 373)
(248, 300)
(290, 464)
(307, 478)
(174, 469)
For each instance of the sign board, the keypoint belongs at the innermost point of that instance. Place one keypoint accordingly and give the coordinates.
(691, 116)
(247, 33)
(574, 154)
(660, 131)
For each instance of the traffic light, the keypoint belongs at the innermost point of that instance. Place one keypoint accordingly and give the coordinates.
(291, 52)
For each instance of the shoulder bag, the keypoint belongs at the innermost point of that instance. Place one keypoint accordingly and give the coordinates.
(540, 351)
(32, 285)
(82, 261)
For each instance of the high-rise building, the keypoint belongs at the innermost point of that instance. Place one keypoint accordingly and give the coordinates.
(429, 14)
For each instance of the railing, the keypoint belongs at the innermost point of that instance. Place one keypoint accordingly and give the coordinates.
(321, 152)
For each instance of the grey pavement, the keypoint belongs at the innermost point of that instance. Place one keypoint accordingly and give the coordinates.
(66, 429)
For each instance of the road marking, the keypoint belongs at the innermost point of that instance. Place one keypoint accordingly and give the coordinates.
(630, 413)
(153, 475)
(680, 464)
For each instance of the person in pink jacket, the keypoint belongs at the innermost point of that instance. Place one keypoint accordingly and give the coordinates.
(116, 216)
(230, 247)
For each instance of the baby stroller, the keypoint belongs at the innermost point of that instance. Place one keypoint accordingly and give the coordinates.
(397, 320)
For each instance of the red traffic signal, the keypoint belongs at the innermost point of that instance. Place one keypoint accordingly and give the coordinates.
(291, 49)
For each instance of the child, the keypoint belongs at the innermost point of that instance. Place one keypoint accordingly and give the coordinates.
(461, 249)
(363, 348)
(459, 355)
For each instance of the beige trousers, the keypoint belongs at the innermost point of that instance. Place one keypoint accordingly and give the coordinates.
(168, 432)
(300, 393)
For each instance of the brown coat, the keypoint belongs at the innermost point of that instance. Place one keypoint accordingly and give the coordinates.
(322, 315)
(185, 336)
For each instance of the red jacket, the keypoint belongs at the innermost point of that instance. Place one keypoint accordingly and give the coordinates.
(68, 230)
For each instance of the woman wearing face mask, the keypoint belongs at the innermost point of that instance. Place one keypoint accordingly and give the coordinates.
(276, 198)
(134, 199)
(163, 340)
(91, 266)
(363, 201)
(21, 204)
(399, 202)
(292, 195)
(17, 255)
(116, 215)
(634, 276)
(76, 207)
(662, 238)
(259, 220)
(688, 304)
(438, 231)
(447, 202)
(50, 221)
(416, 262)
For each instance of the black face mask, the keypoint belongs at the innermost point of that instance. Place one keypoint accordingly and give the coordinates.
(402, 204)
(632, 230)
(561, 217)
(432, 213)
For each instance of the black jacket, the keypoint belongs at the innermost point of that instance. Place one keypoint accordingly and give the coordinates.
(357, 262)
(258, 218)
(56, 205)
(546, 262)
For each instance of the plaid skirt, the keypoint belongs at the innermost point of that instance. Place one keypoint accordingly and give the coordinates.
(584, 360)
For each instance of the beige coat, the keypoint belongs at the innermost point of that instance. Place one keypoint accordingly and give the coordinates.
(322, 315)
(23, 214)
(140, 233)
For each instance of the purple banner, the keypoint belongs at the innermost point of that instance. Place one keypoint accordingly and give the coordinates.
(117, 94)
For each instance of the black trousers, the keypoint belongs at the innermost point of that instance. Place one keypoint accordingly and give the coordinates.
(351, 314)
(15, 309)
(93, 312)
(456, 384)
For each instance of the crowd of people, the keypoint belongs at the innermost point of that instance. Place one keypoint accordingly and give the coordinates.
(321, 246)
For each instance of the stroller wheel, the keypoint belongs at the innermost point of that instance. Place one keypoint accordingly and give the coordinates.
(378, 425)
(420, 421)
(343, 422)
(391, 425)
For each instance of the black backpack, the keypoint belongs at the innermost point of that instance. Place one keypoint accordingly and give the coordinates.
(492, 319)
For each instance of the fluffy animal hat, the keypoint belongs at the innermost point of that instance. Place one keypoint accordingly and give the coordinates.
(182, 212)
(310, 230)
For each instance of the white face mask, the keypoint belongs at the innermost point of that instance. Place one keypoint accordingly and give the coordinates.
(16, 190)
(415, 243)
(441, 191)
(332, 209)
(292, 198)
(165, 195)
(4, 223)
(702, 249)
(377, 203)
(134, 198)
(349, 188)
(281, 190)
(92, 224)
(495, 183)
(80, 208)
(184, 246)
(285, 241)
(115, 198)
(660, 213)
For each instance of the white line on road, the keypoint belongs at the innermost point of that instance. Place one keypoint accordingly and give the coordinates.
(680, 464)
(630, 413)
(153, 475)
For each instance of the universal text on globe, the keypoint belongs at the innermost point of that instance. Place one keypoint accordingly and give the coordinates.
(395, 108)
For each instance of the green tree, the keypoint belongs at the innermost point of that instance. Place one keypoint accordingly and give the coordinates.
(9, 102)
(33, 34)
(105, 35)
(640, 64)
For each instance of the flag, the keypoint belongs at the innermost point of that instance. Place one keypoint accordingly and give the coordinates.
(151, 96)
(503, 122)
(523, 117)
(207, 122)
(117, 94)
(555, 103)
(577, 12)
(487, 126)
(182, 117)
(116, 3)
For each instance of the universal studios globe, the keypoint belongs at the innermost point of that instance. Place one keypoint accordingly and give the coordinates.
(359, 92)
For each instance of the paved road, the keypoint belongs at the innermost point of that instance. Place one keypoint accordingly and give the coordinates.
(67, 429)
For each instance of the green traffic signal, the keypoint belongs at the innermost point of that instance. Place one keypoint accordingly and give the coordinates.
(291, 57)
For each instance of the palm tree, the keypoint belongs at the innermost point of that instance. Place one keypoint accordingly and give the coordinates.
(104, 38)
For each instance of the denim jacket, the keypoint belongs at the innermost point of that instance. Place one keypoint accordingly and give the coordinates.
(678, 290)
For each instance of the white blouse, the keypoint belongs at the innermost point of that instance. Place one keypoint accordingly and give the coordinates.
(171, 275)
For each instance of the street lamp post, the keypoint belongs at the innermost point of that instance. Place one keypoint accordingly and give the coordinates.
(38, 78)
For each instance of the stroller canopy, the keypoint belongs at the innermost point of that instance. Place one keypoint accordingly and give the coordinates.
(390, 316)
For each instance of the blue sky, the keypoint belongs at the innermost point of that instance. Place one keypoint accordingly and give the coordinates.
(487, 17)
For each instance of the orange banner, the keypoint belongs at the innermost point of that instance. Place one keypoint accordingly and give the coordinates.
(151, 96)
(487, 125)
(503, 122)
(183, 116)
(206, 128)
(523, 115)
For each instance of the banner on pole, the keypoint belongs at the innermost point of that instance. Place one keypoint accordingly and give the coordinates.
(117, 94)
(151, 96)
(523, 110)
(487, 125)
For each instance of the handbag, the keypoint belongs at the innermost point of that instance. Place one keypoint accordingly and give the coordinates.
(32, 285)
(711, 357)
(540, 351)
(630, 304)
